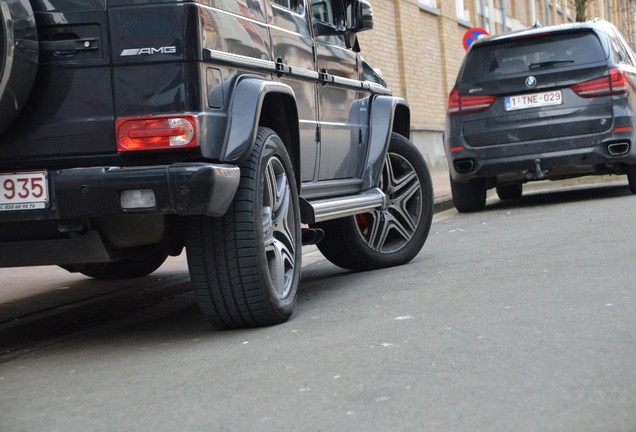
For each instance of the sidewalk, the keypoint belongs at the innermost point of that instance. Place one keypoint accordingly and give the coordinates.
(441, 190)
(441, 184)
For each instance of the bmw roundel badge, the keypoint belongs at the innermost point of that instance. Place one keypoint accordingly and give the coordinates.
(531, 81)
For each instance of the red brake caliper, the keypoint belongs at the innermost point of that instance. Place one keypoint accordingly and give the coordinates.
(363, 221)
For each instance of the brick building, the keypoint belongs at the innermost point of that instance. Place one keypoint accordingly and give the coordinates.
(418, 45)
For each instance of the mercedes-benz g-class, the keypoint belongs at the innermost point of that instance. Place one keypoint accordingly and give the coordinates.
(239, 130)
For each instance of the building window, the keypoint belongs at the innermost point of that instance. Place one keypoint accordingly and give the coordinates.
(428, 4)
(462, 13)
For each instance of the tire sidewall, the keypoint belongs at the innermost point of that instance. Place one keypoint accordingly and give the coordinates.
(469, 197)
(274, 147)
(509, 191)
(631, 178)
(19, 57)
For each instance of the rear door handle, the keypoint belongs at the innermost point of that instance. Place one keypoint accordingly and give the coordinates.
(87, 44)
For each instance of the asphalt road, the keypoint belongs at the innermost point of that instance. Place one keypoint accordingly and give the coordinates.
(517, 318)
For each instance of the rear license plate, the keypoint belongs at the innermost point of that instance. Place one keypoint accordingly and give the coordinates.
(533, 100)
(24, 191)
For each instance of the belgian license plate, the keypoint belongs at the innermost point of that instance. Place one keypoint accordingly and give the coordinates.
(24, 190)
(533, 100)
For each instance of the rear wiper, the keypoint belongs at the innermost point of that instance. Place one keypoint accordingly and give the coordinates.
(550, 63)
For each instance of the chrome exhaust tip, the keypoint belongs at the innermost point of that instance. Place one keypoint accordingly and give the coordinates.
(618, 149)
(464, 166)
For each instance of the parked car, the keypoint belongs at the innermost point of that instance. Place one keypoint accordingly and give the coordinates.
(239, 130)
(544, 103)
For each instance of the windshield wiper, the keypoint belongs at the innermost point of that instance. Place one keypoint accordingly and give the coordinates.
(550, 63)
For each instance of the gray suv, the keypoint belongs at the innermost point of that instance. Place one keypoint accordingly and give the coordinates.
(240, 130)
(545, 103)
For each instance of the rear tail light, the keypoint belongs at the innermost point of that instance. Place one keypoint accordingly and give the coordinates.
(463, 104)
(623, 129)
(615, 83)
(156, 133)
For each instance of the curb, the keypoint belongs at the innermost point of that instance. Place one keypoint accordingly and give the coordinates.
(442, 204)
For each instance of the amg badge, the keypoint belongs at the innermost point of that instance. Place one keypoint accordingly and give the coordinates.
(148, 51)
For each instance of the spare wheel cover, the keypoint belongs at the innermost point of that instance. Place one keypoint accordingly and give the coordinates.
(19, 54)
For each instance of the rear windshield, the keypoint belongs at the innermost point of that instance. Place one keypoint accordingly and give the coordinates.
(535, 53)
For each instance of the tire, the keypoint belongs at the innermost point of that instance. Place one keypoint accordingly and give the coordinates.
(469, 197)
(393, 235)
(19, 54)
(631, 178)
(147, 261)
(510, 191)
(245, 266)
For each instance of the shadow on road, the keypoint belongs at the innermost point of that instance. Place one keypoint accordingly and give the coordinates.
(162, 306)
(73, 304)
(560, 196)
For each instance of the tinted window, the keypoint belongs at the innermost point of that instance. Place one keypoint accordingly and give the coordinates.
(529, 54)
(371, 75)
(618, 40)
(295, 5)
(331, 12)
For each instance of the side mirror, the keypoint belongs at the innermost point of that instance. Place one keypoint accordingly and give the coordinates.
(362, 16)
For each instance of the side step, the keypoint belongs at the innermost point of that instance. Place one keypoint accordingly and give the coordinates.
(333, 208)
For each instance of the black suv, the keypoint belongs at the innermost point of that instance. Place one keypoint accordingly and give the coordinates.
(545, 103)
(238, 129)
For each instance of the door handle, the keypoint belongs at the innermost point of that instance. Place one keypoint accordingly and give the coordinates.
(79, 45)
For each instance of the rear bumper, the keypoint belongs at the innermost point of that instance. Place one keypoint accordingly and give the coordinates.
(554, 159)
(182, 189)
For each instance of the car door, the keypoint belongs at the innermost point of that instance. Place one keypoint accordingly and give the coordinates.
(293, 46)
(337, 65)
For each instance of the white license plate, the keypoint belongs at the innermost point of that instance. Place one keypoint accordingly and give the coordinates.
(533, 100)
(24, 191)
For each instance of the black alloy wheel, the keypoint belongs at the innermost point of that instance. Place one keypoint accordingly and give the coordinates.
(395, 234)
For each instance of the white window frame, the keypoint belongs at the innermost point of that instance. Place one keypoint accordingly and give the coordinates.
(461, 12)
(431, 4)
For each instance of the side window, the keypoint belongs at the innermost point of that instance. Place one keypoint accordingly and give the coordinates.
(331, 12)
(321, 10)
(630, 53)
(371, 74)
(627, 50)
(619, 52)
(293, 5)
